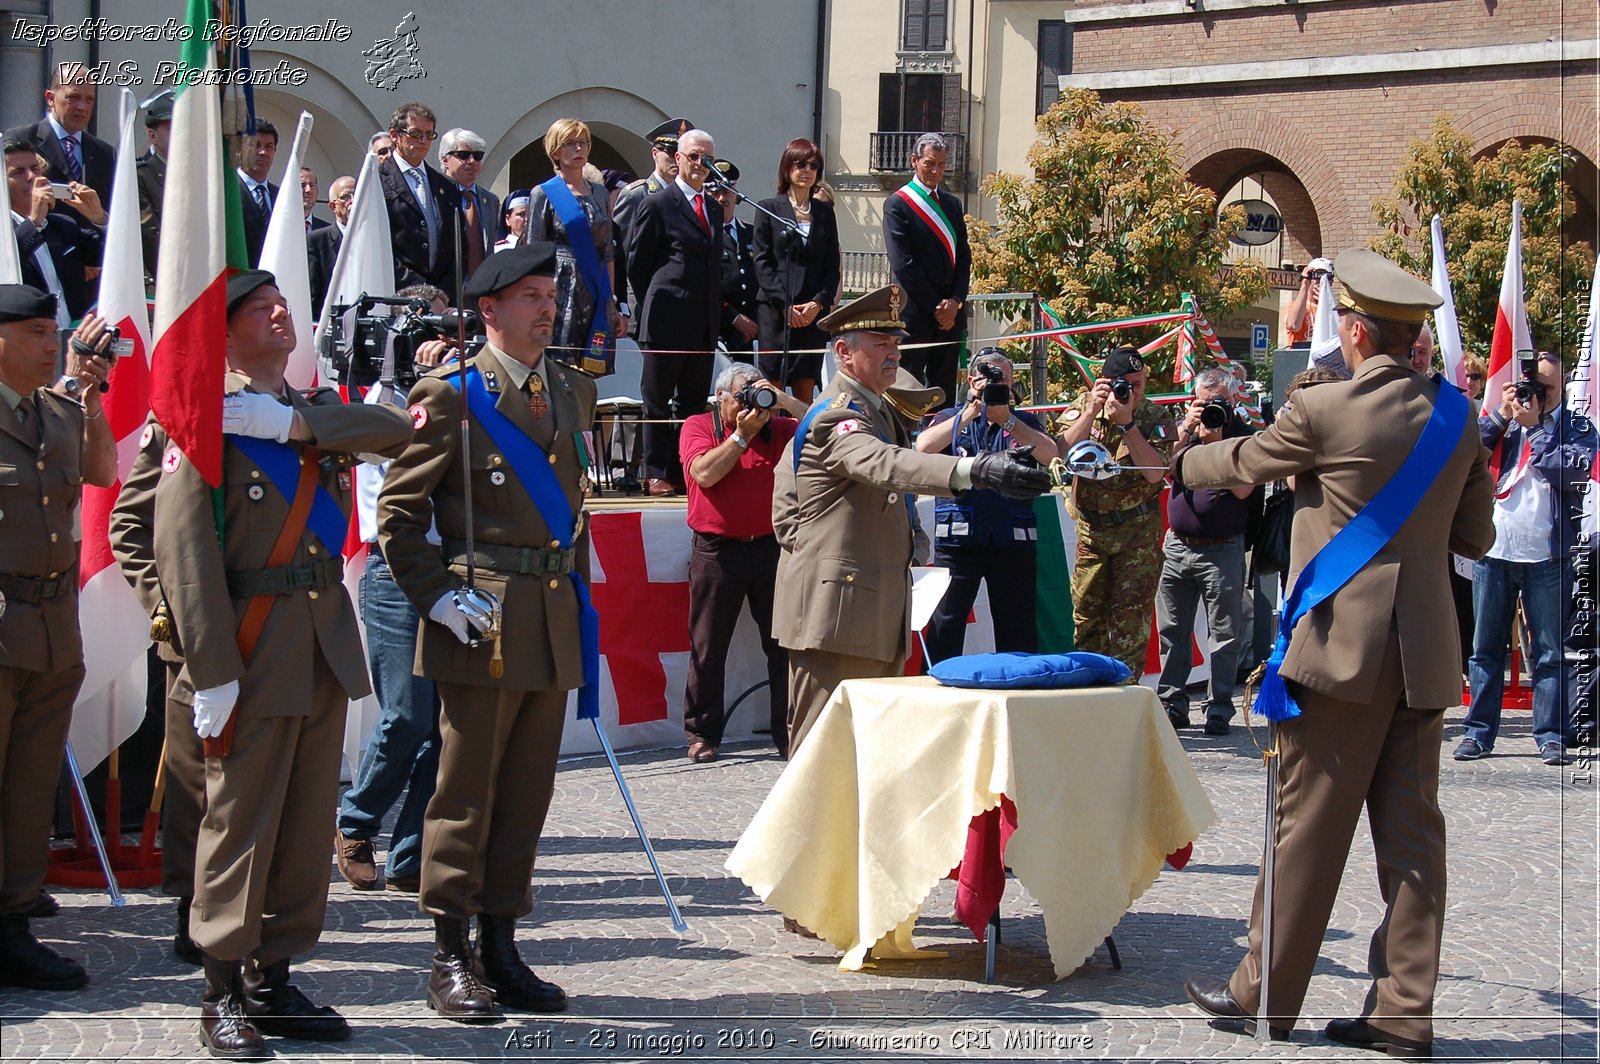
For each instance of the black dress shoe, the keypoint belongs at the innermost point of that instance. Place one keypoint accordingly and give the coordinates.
(1362, 1035)
(29, 963)
(277, 1007)
(224, 1029)
(184, 947)
(1214, 996)
(501, 969)
(454, 990)
(44, 906)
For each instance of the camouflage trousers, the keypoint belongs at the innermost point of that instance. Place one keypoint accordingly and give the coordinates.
(1114, 579)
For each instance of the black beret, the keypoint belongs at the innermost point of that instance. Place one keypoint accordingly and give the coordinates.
(21, 302)
(537, 258)
(240, 285)
(1121, 361)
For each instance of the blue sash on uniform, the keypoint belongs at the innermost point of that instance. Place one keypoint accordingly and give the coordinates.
(598, 279)
(532, 467)
(1358, 542)
(281, 463)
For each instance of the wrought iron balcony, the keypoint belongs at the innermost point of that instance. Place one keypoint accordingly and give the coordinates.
(890, 153)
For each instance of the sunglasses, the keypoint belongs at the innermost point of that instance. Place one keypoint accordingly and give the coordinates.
(811, 165)
(696, 156)
(420, 134)
(464, 155)
(1474, 376)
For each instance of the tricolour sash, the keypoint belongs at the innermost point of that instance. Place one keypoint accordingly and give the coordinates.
(281, 463)
(532, 467)
(598, 279)
(1358, 542)
(926, 207)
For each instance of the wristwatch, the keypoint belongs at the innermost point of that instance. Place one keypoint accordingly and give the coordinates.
(1009, 423)
(740, 442)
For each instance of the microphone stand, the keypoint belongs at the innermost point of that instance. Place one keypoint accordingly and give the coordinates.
(790, 233)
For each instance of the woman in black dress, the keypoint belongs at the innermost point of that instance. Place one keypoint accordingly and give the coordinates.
(798, 270)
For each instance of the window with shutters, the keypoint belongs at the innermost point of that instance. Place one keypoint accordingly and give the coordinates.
(1055, 61)
(924, 25)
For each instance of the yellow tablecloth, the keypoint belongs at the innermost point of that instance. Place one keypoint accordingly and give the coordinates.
(874, 809)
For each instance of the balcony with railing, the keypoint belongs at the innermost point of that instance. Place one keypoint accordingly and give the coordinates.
(890, 153)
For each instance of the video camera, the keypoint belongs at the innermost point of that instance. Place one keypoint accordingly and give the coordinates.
(354, 346)
(996, 392)
(1217, 413)
(1529, 389)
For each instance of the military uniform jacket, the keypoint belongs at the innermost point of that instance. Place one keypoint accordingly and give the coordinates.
(1125, 490)
(132, 531)
(844, 577)
(192, 571)
(1343, 441)
(540, 645)
(40, 485)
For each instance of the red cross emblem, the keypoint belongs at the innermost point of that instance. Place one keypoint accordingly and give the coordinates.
(640, 619)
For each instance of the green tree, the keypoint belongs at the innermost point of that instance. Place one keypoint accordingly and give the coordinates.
(1472, 197)
(1108, 226)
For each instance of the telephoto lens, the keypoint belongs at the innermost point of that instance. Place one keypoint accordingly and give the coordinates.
(757, 397)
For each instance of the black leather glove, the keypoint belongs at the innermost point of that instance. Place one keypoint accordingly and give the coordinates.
(1013, 473)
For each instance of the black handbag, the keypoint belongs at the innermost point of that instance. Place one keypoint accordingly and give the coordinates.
(1272, 541)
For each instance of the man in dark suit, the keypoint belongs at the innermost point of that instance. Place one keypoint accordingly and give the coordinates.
(423, 205)
(256, 193)
(308, 199)
(664, 167)
(322, 246)
(461, 154)
(54, 247)
(925, 231)
(150, 171)
(675, 260)
(739, 288)
(62, 137)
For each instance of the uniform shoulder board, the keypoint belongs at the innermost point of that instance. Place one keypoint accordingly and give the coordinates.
(641, 183)
(839, 402)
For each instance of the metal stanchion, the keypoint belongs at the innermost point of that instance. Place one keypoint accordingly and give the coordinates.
(678, 923)
(94, 831)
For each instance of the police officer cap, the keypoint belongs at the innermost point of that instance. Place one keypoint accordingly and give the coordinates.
(665, 136)
(727, 170)
(1120, 362)
(1372, 285)
(22, 302)
(240, 286)
(159, 110)
(537, 258)
(877, 311)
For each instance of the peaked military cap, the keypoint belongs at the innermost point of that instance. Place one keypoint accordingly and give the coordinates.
(877, 311)
(665, 136)
(160, 110)
(1372, 285)
(727, 170)
(1121, 361)
(23, 302)
(240, 286)
(911, 398)
(537, 258)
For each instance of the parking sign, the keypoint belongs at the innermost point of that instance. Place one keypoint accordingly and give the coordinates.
(1258, 340)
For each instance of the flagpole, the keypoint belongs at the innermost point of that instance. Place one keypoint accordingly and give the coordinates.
(117, 900)
(678, 923)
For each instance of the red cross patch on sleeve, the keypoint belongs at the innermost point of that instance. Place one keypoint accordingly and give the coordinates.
(172, 460)
(419, 415)
(847, 425)
(146, 436)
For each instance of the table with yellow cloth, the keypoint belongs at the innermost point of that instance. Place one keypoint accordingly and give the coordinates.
(874, 809)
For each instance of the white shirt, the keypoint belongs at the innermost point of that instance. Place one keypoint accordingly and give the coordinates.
(369, 477)
(1522, 520)
(251, 184)
(47, 267)
(688, 190)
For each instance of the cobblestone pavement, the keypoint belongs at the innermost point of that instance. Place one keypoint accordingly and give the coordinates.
(1518, 981)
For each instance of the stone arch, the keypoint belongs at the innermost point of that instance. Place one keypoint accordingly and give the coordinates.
(1233, 142)
(341, 122)
(615, 118)
(1532, 118)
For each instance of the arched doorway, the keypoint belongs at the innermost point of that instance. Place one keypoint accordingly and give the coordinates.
(1582, 177)
(530, 165)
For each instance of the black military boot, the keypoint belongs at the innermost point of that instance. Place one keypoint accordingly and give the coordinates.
(277, 1007)
(454, 991)
(224, 1029)
(183, 947)
(513, 982)
(29, 963)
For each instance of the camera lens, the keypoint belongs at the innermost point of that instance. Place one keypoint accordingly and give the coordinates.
(1121, 389)
(757, 398)
(1216, 413)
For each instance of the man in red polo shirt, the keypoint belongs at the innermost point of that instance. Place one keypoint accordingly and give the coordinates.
(729, 455)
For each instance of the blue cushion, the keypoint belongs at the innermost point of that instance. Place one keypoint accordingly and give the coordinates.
(1077, 669)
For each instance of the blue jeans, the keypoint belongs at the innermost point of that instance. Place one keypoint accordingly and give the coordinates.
(1495, 587)
(405, 748)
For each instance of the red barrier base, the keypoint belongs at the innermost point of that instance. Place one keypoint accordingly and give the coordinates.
(78, 866)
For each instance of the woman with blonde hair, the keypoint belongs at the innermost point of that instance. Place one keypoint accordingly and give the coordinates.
(571, 211)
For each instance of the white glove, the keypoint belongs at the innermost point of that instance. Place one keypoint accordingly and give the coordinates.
(460, 616)
(254, 414)
(213, 707)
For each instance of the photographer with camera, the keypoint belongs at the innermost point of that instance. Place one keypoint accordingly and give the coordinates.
(1204, 563)
(979, 534)
(1540, 454)
(1118, 517)
(1302, 310)
(729, 457)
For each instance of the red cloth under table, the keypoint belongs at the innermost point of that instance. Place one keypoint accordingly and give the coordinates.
(981, 875)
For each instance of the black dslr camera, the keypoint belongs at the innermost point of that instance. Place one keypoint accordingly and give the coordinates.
(1122, 390)
(755, 396)
(354, 347)
(1216, 413)
(996, 392)
(1529, 388)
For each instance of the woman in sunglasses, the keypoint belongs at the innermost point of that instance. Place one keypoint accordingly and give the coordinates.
(574, 213)
(798, 269)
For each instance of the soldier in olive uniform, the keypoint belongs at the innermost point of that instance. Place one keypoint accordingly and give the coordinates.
(49, 446)
(1118, 563)
(843, 520)
(501, 715)
(271, 657)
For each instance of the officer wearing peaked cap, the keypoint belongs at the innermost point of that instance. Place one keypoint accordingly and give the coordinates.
(1366, 666)
(49, 446)
(843, 520)
(739, 287)
(150, 172)
(663, 158)
(270, 657)
(501, 711)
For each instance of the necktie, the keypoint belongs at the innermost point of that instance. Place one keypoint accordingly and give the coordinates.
(74, 166)
(700, 209)
(261, 199)
(544, 429)
(474, 249)
(424, 201)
